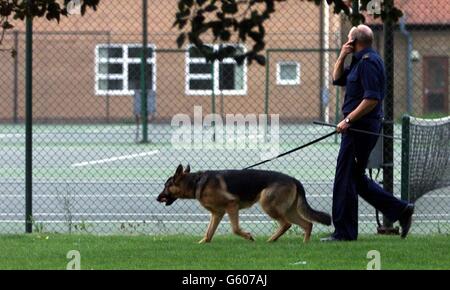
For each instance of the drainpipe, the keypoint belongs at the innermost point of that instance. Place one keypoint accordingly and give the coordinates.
(409, 65)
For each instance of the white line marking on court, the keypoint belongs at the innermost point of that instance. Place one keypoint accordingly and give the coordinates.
(187, 214)
(112, 159)
(83, 196)
(2, 136)
(182, 222)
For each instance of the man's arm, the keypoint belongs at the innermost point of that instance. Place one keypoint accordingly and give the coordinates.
(365, 107)
(339, 65)
(338, 68)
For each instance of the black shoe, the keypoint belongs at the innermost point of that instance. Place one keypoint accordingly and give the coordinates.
(330, 239)
(405, 219)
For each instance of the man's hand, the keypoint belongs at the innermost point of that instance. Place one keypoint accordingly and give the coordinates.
(342, 127)
(347, 49)
(339, 66)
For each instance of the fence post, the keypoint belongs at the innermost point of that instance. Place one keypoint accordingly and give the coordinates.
(321, 61)
(388, 125)
(107, 99)
(144, 72)
(29, 120)
(266, 95)
(405, 157)
(213, 98)
(16, 77)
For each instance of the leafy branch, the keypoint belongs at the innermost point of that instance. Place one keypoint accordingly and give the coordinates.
(245, 19)
(52, 10)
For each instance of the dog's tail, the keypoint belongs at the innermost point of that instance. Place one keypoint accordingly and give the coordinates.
(305, 209)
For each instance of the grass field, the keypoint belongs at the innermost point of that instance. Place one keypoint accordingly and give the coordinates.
(225, 252)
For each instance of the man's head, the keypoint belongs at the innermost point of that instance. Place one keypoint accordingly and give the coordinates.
(362, 35)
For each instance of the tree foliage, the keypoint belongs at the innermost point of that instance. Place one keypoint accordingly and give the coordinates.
(245, 20)
(52, 10)
(224, 19)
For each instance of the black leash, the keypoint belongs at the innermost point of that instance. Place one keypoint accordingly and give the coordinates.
(358, 130)
(320, 139)
(293, 150)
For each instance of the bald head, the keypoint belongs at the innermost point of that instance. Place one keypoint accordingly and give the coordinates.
(363, 34)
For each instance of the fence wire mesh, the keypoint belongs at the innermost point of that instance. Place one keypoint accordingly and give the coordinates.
(92, 174)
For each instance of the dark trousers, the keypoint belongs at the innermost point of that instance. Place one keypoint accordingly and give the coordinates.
(351, 181)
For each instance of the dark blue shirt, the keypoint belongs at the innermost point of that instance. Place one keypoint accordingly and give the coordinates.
(364, 79)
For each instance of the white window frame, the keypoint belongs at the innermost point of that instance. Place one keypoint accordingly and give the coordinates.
(283, 82)
(216, 88)
(125, 61)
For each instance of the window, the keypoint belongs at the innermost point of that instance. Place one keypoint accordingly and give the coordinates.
(288, 73)
(118, 68)
(229, 77)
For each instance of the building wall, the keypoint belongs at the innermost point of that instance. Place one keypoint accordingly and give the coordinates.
(427, 43)
(64, 65)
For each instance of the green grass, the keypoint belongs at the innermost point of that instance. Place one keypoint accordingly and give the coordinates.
(225, 252)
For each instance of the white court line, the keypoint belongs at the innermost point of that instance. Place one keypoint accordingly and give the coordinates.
(184, 222)
(11, 135)
(113, 196)
(189, 214)
(112, 159)
(82, 196)
(128, 214)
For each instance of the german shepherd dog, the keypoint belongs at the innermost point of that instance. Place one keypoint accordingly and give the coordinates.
(227, 191)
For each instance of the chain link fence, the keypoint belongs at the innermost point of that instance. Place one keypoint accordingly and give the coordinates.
(92, 173)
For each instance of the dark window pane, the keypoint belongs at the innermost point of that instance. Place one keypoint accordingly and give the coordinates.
(134, 76)
(195, 52)
(288, 72)
(111, 85)
(227, 76)
(200, 84)
(200, 68)
(111, 52)
(135, 52)
(111, 68)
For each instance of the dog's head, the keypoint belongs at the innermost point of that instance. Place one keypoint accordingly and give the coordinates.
(173, 188)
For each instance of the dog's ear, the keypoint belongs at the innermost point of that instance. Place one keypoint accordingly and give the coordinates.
(187, 169)
(179, 171)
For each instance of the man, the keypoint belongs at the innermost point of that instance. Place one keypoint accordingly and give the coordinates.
(365, 84)
(151, 108)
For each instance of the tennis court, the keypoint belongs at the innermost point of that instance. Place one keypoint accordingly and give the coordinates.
(97, 179)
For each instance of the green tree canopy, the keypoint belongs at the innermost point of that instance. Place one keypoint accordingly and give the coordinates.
(50, 9)
(245, 19)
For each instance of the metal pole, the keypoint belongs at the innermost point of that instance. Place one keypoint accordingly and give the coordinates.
(144, 54)
(107, 92)
(29, 120)
(405, 158)
(213, 99)
(16, 77)
(266, 99)
(321, 61)
(388, 125)
(267, 94)
(355, 11)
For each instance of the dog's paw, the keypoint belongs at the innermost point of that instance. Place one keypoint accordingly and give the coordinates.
(204, 241)
(249, 237)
